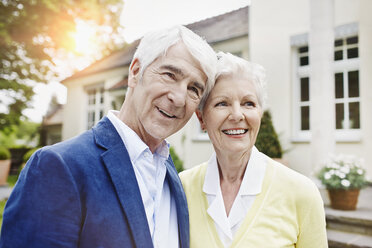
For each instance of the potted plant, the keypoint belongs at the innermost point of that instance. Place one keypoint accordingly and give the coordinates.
(343, 176)
(4, 165)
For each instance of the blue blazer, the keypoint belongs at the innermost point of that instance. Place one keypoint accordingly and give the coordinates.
(83, 193)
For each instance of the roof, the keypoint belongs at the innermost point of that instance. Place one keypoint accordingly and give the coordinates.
(223, 27)
(114, 60)
(215, 29)
(120, 85)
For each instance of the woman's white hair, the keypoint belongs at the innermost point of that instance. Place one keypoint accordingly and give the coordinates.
(155, 44)
(229, 64)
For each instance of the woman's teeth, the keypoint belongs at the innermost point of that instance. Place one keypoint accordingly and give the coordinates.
(235, 131)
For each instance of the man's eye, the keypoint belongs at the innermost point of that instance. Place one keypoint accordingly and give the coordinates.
(194, 90)
(170, 75)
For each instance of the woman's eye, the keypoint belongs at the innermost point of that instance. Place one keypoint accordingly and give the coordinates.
(221, 104)
(249, 104)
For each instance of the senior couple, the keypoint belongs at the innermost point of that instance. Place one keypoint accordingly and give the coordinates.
(116, 186)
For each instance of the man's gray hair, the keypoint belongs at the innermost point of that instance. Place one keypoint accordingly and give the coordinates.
(155, 44)
(229, 64)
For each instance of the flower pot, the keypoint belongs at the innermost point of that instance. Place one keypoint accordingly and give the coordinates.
(4, 171)
(343, 199)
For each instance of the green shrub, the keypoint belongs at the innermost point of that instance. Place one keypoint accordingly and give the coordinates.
(4, 153)
(176, 160)
(267, 139)
(28, 154)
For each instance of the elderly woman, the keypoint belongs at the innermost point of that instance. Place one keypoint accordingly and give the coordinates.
(241, 197)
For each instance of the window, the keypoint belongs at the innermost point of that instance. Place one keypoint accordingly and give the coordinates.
(347, 100)
(303, 55)
(346, 48)
(347, 91)
(95, 106)
(305, 103)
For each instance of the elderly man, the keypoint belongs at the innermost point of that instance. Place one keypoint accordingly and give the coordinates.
(115, 185)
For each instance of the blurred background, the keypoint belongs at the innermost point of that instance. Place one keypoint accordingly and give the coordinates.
(64, 64)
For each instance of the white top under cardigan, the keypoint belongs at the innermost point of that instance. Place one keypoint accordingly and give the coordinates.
(150, 171)
(249, 188)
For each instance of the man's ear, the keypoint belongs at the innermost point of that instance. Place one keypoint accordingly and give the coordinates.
(133, 76)
(200, 118)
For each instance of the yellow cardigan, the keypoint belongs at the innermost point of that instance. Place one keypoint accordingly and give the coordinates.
(288, 212)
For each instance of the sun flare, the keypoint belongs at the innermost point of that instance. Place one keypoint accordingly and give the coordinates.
(85, 39)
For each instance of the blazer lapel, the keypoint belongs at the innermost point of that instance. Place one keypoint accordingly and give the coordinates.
(118, 164)
(181, 203)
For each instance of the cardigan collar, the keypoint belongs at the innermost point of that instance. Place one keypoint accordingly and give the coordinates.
(252, 179)
(251, 186)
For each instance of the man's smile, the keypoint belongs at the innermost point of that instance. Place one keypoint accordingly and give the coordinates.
(165, 113)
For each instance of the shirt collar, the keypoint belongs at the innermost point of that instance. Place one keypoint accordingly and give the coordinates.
(137, 146)
(252, 180)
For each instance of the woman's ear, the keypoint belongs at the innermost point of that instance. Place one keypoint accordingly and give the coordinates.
(134, 70)
(200, 118)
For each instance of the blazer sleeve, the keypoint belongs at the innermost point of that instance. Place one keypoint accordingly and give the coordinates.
(44, 209)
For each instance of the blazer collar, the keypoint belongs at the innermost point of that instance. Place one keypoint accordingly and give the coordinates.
(177, 192)
(118, 164)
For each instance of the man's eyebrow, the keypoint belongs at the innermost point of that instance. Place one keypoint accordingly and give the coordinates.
(178, 71)
(173, 69)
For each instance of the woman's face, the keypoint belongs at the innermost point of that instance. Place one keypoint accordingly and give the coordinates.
(232, 115)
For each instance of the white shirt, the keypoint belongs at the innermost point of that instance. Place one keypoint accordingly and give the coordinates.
(150, 171)
(250, 187)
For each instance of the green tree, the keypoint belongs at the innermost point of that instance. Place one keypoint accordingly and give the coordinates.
(178, 163)
(267, 139)
(26, 134)
(33, 33)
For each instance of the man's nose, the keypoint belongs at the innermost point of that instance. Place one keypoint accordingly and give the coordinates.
(178, 95)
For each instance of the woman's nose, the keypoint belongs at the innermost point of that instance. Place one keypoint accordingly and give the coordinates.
(236, 113)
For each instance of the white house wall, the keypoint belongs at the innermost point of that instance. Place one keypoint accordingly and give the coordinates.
(272, 24)
(75, 112)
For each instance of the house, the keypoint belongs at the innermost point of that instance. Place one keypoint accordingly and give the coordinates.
(102, 86)
(276, 35)
(282, 39)
(51, 126)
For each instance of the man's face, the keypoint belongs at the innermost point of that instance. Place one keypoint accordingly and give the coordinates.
(167, 95)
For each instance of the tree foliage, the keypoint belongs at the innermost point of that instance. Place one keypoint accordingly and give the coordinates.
(267, 139)
(26, 134)
(33, 32)
(178, 163)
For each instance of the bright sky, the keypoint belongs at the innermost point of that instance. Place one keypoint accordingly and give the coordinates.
(139, 17)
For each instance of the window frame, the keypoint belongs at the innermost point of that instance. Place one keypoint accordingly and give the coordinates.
(345, 65)
(98, 107)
